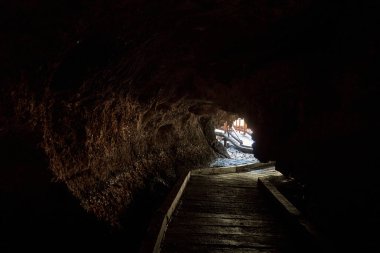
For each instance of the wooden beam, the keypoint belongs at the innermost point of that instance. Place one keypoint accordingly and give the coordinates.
(291, 210)
(159, 223)
(232, 169)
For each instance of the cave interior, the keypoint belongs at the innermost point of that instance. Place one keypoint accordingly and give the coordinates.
(104, 104)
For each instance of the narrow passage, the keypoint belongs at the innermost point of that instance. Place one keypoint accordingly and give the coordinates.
(229, 213)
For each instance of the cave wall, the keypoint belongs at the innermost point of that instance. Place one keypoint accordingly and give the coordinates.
(111, 123)
(106, 147)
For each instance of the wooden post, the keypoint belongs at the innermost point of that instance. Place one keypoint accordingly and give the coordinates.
(245, 128)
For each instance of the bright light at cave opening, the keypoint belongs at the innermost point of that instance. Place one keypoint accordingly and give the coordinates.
(241, 127)
(238, 133)
(236, 137)
(239, 124)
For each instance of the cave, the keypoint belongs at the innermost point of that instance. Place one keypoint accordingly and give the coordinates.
(105, 104)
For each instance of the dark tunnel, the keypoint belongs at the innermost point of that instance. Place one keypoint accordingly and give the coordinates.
(104, 105)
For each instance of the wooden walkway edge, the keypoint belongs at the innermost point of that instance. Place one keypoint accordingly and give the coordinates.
(211, 204)
(160, 221)
(291, 210)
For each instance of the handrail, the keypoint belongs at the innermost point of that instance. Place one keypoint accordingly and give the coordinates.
(236, 137)
(243, 148)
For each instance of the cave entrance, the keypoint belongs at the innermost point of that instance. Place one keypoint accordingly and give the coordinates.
(236, 137)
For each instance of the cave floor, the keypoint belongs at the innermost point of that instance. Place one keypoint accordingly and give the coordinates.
(229, 213)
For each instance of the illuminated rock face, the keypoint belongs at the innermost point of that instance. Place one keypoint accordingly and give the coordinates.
(117, 94)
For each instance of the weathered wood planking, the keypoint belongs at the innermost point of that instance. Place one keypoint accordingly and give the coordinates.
(216, 215)
(232, 169)
(223, 222)
(228, 213)
(215, 249)
(160, 220)
(262, 231)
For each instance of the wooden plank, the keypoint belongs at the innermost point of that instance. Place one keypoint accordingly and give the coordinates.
(290, 208)
(232, 169)
(261, 238)
(182, 221)
(225, 210)
(231, 182)
(220, 190)
(216, 170)
(208, 184)
(223, 177)
(219, 182)
(267, 240)
(215, 241)
(251, 182)
(229, 197)
(214, 249)
(224, 180)
(221, 199)
(265, 231)
(156, 231)
(245, 206)
(223, 192)
(245, 197)
(216, 215)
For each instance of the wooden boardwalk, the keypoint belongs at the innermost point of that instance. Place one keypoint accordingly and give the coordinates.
(229, 213)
